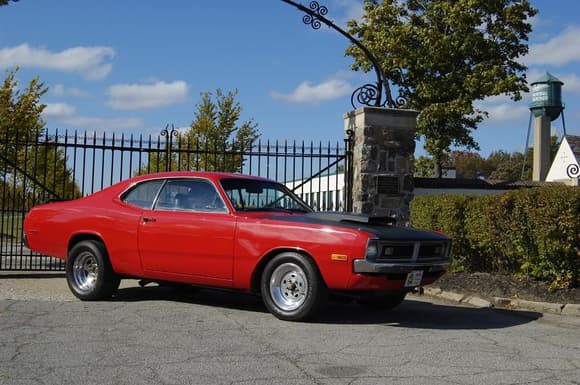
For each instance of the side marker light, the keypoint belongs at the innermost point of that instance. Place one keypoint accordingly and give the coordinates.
(339, 257)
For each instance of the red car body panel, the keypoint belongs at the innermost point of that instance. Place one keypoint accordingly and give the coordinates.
(223, 249)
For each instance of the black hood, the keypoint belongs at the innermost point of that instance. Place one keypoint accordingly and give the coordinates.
(382, 227)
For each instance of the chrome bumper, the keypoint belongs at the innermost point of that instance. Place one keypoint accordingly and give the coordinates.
(365, 266)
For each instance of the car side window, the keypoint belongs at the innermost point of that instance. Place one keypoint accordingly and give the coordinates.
(190, 195)
(143, 194)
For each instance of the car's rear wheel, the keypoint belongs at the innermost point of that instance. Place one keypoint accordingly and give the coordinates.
(382, 301)
(89, 274)
(292, 288)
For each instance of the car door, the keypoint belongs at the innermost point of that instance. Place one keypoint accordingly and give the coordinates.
(188, 232)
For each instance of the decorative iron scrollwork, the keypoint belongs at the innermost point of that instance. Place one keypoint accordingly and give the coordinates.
(313, 19)
(401, 101)
(169, 133)
(368, 94)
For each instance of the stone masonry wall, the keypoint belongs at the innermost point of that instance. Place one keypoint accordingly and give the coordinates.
(383, 148)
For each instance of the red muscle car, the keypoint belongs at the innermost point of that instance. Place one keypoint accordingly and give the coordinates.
(232, 231)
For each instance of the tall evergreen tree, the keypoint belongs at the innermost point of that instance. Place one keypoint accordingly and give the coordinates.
(215, 141)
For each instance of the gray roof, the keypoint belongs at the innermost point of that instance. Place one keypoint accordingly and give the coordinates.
(479, 184)
(574, 142)
(548, 78)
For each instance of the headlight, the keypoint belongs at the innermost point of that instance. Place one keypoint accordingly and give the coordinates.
(372, 249)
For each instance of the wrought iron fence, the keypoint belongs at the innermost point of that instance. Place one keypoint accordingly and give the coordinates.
(68, 165)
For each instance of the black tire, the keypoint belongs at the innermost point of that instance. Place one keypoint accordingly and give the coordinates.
(89, 274)
(382, 301)
(292, 288)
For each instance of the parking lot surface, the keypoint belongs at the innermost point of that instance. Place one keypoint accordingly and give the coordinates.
(156, 335)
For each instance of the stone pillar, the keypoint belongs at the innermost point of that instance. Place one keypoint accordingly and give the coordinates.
(542, 148)
(383, 149)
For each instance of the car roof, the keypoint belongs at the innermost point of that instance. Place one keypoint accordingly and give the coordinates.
(214, 176)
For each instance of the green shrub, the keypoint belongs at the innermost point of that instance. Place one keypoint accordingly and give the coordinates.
(532, 232)
(555, 228)
(445, 213)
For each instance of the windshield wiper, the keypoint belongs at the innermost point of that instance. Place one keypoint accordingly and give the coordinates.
(276, 209)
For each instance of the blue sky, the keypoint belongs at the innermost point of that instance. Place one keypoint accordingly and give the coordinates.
(134, 66)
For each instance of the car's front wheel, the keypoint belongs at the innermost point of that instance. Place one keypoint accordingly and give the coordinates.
(292, 288)
(89, 274)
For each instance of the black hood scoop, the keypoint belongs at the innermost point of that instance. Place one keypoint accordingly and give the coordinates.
(354, 218)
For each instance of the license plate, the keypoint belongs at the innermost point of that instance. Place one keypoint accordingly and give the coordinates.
(414, 278)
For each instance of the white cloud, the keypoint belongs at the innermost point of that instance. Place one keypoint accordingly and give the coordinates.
(308, 93)
(89, 123)
(507, 112)
(91, 62)
(59, 110)
(60, 90)
(351, 9)
(66, 114)
(560, 50)
(146, 96)
(571, 83)
(502, 109)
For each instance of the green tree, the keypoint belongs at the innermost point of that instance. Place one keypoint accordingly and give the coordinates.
(424, 167)
(508, 166)
(444, 55)
(468, 165)
(501, 165)
(31, 169)
(215, 141)
(5, 2)
(20, 117)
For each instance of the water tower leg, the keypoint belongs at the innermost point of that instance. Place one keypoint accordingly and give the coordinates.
(542, 151)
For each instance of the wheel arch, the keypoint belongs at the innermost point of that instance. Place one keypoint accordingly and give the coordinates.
(79, 237)
(259, 269)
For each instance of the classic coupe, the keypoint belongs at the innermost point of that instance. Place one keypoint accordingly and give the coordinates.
(233, 231)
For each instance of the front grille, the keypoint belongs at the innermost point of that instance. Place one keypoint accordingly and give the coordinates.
(413, 250)
(432, 250)
(398, 251)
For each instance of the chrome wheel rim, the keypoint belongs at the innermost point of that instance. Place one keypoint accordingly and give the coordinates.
(288, 286)
(85, 271)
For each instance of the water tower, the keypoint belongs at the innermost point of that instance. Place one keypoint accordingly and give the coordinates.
(546, 107)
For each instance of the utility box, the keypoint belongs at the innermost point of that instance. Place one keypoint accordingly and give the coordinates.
(547, 97)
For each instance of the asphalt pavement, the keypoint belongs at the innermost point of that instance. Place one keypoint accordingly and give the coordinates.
(156, 335)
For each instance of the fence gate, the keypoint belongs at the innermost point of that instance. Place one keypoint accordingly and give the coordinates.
(65, 165)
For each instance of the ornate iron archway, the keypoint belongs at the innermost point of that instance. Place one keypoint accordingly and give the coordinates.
(367, 94)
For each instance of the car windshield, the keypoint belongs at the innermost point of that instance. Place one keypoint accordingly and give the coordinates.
(258, 195)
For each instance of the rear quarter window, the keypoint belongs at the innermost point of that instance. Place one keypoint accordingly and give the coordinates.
(142, 195)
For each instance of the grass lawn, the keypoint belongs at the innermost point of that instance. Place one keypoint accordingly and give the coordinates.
(11, 225)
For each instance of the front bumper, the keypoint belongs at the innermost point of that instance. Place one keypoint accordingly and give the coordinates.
(364, 266)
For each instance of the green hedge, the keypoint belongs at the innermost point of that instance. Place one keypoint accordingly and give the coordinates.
(532, 232)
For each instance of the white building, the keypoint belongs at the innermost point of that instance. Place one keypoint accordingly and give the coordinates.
(324, 193)
(566, 165)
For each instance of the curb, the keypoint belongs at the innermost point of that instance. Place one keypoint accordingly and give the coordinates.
(572, 309)
(506, 303)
